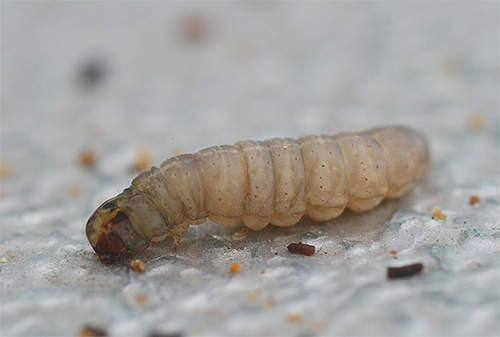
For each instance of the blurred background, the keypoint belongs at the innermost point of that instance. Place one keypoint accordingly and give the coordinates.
(172, 77)
(94, 92)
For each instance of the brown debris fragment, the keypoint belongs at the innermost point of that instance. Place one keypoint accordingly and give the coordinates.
(437, 214)
(74, 190)
(253, 296)
(168, 334)
(90, 331)
(476, 120)
(474, 199)
(194, 29)
(294, 317)
(141, 298)
(269, 304)
(301, 248)
(5, 169)
(235, 267)
(405, 271)
(88, 158)
(138, 266)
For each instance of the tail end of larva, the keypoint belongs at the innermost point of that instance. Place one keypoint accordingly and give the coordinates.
(110, 233)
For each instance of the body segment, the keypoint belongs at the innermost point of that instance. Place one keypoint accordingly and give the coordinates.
(274, 181)
(326, 185)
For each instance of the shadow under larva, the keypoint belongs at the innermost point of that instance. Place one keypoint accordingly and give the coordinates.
(275, 181)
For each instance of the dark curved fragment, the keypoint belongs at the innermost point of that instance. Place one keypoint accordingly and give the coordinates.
(405, 271)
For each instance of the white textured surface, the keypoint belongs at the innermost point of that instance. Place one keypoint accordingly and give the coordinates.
(261, 70)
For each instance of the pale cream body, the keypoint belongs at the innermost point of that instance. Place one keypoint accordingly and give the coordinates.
(277, 181)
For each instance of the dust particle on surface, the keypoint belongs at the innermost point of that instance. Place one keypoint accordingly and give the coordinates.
(476, 121)
(74, 191)
(194, 29)
(294, 317)
(90, 331)
(141, 298)
(168, 334)
(138, 266)
(474, 199)
(5, 169)
(91, 73)
(253, 296)
(437, 214)
(269, 304)
(88, 159)
(235, 267)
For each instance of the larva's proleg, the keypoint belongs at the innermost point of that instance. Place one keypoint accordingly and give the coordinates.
(276, 181)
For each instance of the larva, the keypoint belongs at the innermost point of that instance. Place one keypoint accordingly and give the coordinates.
(276, 181)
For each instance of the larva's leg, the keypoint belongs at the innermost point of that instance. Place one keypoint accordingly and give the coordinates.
(366, 170)
(224, 178)
(326, 188)
(258, 206)
(289, 180)
(177, 233)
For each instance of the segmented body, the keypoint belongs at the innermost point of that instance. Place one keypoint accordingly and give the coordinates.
(275, 181)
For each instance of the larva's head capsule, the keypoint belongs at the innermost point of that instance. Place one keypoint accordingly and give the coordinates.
(110, 233)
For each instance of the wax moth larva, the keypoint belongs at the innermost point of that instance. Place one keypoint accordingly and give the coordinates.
(276, 181)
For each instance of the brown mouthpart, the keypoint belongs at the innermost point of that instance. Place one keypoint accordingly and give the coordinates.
(108, 230)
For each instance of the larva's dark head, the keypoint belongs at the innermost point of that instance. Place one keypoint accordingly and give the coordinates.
(110, 233)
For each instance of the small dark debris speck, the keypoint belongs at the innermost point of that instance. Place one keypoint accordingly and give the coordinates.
(301, 248)
(91, 73)
(91, 331)
(405, 271)
(168, 334)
